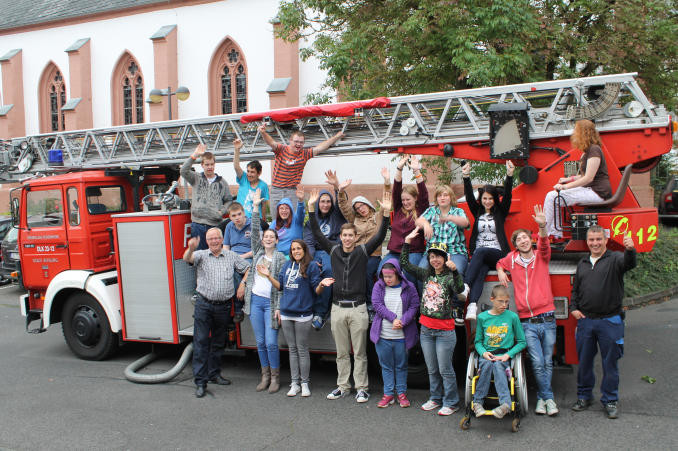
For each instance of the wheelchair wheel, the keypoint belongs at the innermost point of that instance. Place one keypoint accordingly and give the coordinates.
(521, 384)
(470, 372)
(515, 425)
(465, 423)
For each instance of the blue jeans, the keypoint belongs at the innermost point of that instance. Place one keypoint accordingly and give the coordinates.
(265, 335)
(237, 278)
(489, 368)
(200, 230)
(322, 302)
(438, 347)
(482, 260)
(372, 264)
(609, 336)
(393, 360)
(415, 258)
(209, 338)
(540, 339)
(459, 259)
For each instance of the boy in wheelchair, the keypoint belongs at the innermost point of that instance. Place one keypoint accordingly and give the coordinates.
(499, 337)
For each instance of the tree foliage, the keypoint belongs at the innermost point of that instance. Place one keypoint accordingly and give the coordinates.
(373, 48)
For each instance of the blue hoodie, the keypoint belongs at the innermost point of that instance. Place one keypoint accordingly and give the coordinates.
(330, 223)
(298, 293)
(294, 232)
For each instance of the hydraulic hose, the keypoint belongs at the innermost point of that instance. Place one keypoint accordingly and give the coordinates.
(132, 375)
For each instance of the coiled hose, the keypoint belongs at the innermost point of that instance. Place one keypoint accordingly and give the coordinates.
(132, 375)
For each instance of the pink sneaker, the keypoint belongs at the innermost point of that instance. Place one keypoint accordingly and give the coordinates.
(385, 401)
(403, 401)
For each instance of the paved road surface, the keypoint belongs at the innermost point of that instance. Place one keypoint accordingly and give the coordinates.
(51, 400)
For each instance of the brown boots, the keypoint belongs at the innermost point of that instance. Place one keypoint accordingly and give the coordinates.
(265, 378)
(275, 380)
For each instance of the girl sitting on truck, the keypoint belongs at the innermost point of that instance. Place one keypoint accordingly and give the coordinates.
(590, 186)
(262, 298)
(488, 241)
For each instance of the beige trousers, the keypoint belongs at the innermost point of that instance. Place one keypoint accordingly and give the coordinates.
(349, 327)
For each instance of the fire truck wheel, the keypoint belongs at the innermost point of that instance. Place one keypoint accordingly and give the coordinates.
(86, 329)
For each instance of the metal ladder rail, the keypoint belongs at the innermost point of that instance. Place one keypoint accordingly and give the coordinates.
(447, 117)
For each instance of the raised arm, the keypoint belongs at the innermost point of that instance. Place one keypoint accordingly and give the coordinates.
(237, 145)
(405, 265)
(255, 229)
(471, 200)
(342, 199)
(377, 239)
(300, 214)
(268, 138)
(185, 171)
(192, 246)
(629, 254)
(327, 143)
(505, 203)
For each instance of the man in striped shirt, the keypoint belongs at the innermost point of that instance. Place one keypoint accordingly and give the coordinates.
(290, 161)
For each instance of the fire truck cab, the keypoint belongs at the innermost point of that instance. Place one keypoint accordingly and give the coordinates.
(67, 259)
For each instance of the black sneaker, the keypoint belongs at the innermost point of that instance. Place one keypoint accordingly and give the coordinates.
(581, 404)
(612, 410)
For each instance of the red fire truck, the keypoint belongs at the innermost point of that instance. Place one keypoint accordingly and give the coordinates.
(101, 243)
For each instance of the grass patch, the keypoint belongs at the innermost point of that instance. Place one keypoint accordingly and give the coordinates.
(656, 270)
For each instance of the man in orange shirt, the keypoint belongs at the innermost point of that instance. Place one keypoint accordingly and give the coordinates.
(290, 161)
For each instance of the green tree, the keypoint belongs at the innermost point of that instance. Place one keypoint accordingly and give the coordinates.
(376, 48)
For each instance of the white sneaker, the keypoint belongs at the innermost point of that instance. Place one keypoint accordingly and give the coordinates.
(305, 390)
(337, 393)
(445, 411)
(551, 407)
(541, 407)
(464, 294)
(362, 396)
(471, 311)
(294, 389)
(430, 405)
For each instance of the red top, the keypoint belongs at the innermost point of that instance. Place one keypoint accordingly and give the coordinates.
(531, 283)
(437, 324)
(289, 165)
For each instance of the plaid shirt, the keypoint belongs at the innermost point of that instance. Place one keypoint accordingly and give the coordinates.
(215, 274)
(447, 232)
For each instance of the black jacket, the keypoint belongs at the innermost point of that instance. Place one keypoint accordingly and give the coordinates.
(331, 222)
(500, 212)
(598, 290)
(349, 269)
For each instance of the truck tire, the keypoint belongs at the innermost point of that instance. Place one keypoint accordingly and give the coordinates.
(86, 328)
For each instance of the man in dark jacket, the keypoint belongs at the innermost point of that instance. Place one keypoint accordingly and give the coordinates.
(596, 303)
(349, 310)
(330, 220)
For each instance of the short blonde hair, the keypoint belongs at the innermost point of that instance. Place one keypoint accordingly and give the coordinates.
(445, 189)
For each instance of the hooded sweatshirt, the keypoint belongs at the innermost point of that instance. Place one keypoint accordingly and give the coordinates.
(210, 201)
(410, 300)
(330, 223)
(367, 227)
(531, 281)
(294, 231)
(298, 293)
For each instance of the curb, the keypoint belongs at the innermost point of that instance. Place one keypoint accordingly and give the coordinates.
(657, 296)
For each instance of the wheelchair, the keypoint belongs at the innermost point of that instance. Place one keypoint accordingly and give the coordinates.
(517, 380)
(517, 386)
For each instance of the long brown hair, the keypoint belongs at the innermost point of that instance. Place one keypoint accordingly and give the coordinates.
(414, 192)
(305, 260)
(585, 135)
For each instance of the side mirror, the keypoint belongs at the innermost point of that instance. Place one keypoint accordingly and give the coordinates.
(14, 206)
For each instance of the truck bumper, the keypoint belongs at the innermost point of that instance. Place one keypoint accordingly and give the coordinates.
(31, 315)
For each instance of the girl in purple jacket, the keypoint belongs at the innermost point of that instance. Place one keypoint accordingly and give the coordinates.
(394, 329)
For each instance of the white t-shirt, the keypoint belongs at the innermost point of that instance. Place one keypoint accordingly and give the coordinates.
(487, 232)
(262, 286)
(394, 303)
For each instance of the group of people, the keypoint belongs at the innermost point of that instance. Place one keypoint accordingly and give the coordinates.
(290, 275)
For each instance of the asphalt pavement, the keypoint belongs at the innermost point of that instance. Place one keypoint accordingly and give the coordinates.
(49, 399)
